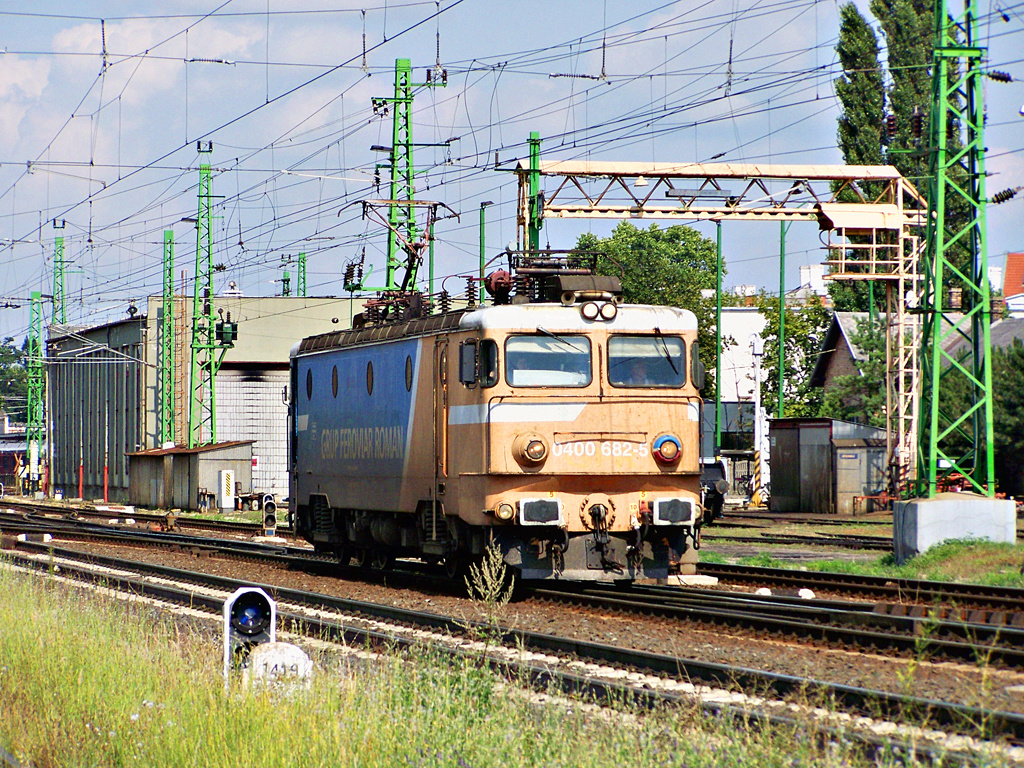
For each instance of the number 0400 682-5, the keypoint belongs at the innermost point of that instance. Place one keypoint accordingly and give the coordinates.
(584, 448)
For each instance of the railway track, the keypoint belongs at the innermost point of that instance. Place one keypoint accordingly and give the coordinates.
(612, 673)
(995, 637)
(925, 595)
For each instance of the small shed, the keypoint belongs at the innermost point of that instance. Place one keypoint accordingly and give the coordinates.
(822, 465)
(187, 478)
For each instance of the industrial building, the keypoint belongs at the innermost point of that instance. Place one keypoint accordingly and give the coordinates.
(102, 389)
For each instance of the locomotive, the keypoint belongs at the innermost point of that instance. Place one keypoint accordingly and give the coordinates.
(556, 423)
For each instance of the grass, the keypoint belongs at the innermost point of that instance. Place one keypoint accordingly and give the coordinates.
(93, 681)
(976, 562)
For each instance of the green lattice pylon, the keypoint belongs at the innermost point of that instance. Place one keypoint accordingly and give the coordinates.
(300, 288)
(60, 315)
(207, 351)
(402, 218)
(166, 363)
(956, 437)
(35, 433)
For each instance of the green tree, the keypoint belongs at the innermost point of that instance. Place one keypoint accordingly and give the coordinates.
(805, 328)
(13, 380)
(861, 396)
(1007, 415)
(666, 267)
(908, 29)
(861, 92)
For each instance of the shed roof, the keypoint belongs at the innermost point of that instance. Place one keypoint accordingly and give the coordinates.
(181, 449)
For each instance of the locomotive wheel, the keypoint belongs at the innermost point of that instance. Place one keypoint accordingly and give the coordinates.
(381, 560)
(344, 554)
(361, 557)
(455, 567)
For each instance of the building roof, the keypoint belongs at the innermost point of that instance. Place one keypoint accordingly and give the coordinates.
(1013, 275)
(1002, 334)
(842, 328)
(181, 449)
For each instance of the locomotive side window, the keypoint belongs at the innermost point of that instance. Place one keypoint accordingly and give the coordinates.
(467, 363)
(309, 383)
(547, 361)
(488, 363)
(697, 367)
(646, 361)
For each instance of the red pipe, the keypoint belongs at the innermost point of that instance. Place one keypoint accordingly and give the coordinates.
(81, 479)
(105, 499)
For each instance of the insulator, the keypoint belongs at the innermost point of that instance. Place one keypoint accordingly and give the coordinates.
(916, 123)
(444, 302)
(1001, 77)
(1006, 194)
(523, 286)
(372, 313)
(444, 76)
(470, 291)
(890, 125)
(428, 75)
(350, 273)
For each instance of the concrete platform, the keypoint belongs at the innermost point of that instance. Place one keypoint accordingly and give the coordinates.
(920, 524)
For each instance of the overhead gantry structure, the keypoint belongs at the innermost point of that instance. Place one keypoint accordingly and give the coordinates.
(874, 238)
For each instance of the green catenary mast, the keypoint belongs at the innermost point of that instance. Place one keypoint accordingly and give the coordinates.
(60, 314)
(402, 216)
(209, 340)
(36, 417)
(166, 412)
(300, 288)
(961, 441)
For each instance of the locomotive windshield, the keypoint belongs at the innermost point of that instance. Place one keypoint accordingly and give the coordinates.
(547, 361)
(646, 361)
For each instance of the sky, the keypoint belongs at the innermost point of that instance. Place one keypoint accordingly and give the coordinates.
(102, 105)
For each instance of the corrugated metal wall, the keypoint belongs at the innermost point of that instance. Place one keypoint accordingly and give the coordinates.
(95, 401)
(250, 407)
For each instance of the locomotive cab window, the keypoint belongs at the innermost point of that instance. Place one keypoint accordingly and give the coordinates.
(488, 363)
(547, 361)
(646, 361)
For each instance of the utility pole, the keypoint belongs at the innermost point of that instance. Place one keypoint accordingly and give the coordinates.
(783, 226)
(60, 315)
(402, 215)
(962, 442)
(301, 287)
(165, 427)
(210, 339)
(717, 448)
(35, 432)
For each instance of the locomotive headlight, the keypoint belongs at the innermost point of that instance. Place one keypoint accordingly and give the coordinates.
(590, 311)
(504, 511)
(530, 449)
(666, 449)
(609, 311)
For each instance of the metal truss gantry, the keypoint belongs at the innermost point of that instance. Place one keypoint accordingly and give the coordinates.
(875, 238)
